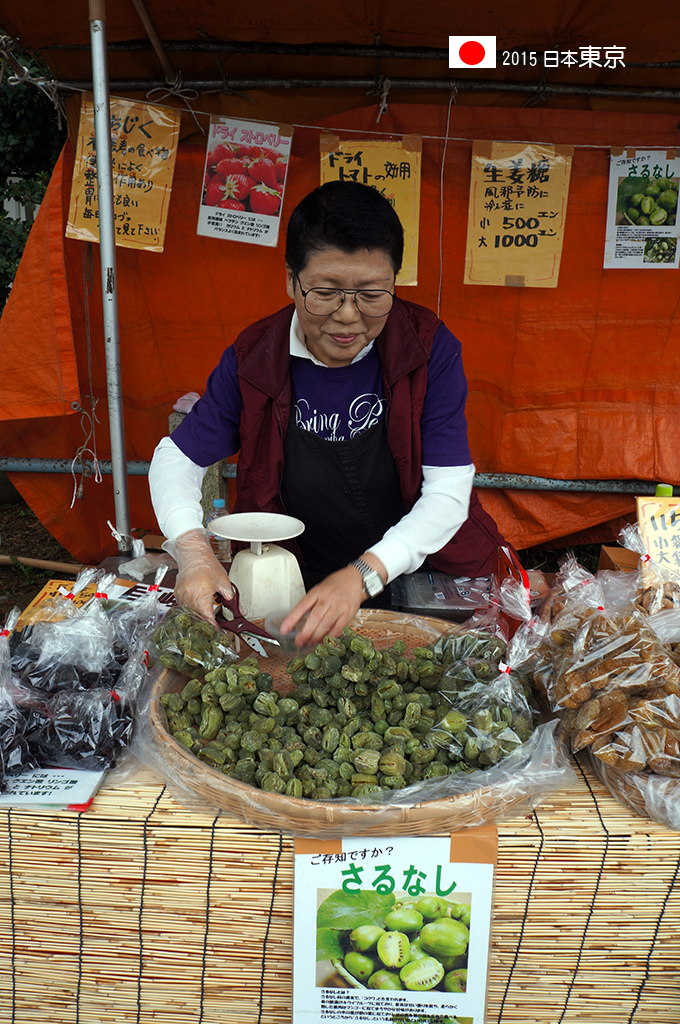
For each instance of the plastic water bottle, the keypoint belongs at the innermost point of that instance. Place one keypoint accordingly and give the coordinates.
(220, 545)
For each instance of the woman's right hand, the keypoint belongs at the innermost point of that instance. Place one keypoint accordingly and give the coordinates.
(199, 574)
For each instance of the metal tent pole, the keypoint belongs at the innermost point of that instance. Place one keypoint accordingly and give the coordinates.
(107, 252)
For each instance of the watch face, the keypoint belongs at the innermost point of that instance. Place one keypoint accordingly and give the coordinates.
(374, 584)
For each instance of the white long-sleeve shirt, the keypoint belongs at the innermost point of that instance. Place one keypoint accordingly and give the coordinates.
(442, 508)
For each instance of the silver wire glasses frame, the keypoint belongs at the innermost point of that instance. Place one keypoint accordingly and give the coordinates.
(372, 302)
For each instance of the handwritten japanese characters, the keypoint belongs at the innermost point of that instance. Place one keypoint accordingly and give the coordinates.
(144, 140)
(517, 213)
(659, 523)
(393, 168)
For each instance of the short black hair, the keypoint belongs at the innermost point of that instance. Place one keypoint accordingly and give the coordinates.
(343, 215)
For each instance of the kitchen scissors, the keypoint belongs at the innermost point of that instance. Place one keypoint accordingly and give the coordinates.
(242, 627)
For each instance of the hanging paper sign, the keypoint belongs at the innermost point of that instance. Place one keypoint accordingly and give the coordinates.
(642, 209)
(144, 141)
(659, 525)
(402, 928)
(246, 165)
(516, 215)
(391, 167)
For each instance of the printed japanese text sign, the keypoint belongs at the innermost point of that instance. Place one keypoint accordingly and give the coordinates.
(402, 928)
(144, 140)
(659, 525)
(517, 213)
(642, 210)
(246, 166)
(52, 787)
(391, 167)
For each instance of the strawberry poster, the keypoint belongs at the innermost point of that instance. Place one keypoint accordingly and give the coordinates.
(245, 175)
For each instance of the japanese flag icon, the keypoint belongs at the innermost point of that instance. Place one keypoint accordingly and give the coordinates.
(472, 51)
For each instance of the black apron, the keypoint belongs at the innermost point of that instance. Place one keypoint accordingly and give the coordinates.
(346, 493)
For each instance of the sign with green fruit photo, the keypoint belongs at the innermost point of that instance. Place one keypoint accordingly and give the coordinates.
(642, 209)
(402, 929)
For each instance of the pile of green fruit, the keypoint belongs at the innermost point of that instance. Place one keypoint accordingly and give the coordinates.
(660, 250)
(422, 945)
(648, 201)
(358, 720)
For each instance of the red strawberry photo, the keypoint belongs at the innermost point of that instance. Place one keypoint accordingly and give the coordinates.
(281, 166)
(222, 151)
(264, 200)
(234, 186)
(214, 192)
(231, 165)
(263, 170)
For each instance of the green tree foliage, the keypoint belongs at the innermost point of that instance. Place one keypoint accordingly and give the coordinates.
(30, 142)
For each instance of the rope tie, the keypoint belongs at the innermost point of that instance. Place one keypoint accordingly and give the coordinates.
(178, 90)
(384, 85)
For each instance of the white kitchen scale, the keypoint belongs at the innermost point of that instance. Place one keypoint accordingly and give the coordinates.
(268, 576)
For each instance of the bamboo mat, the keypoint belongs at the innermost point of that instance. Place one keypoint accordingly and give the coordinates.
(143, 911)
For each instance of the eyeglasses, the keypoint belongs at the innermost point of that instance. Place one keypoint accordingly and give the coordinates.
(325, 301)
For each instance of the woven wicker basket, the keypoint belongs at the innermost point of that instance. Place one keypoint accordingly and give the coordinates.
(330, 818)
(648, 794)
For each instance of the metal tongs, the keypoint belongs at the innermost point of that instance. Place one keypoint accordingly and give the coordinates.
(241, 626)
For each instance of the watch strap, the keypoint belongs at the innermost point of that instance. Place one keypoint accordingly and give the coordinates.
(373, 584)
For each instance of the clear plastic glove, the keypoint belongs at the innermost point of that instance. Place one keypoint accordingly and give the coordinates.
(200, 576)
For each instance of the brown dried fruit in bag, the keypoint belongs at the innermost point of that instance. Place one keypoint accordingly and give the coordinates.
(657, 596)
(662, 748)
(658, 710)
(622, 751)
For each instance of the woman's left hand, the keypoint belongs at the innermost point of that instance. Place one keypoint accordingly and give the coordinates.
(329, 606)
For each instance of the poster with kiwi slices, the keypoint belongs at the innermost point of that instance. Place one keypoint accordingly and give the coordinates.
(393, 930)
(641, 213)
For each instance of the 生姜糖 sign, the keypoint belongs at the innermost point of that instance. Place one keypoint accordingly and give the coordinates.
(516, 215)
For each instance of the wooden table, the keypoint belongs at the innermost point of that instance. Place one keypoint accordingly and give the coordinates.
(141, 910)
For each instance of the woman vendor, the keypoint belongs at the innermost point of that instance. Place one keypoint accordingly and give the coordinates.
(347, 408)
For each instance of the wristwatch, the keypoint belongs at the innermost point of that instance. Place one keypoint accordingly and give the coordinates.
(373, 584)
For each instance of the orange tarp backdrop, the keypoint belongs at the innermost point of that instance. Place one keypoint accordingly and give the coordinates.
(576, 382)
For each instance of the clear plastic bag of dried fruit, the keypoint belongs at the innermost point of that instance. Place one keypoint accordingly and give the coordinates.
(666, 625)
(571, 580)
(133, 624)
(657, 585)
(15, 755)
(75, 652)
(84, 729)
(614, 673)
(487, 709)
(66, 601)
(187, 643)
(636, 749)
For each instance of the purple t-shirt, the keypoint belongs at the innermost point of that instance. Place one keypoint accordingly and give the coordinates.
(336, 403)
